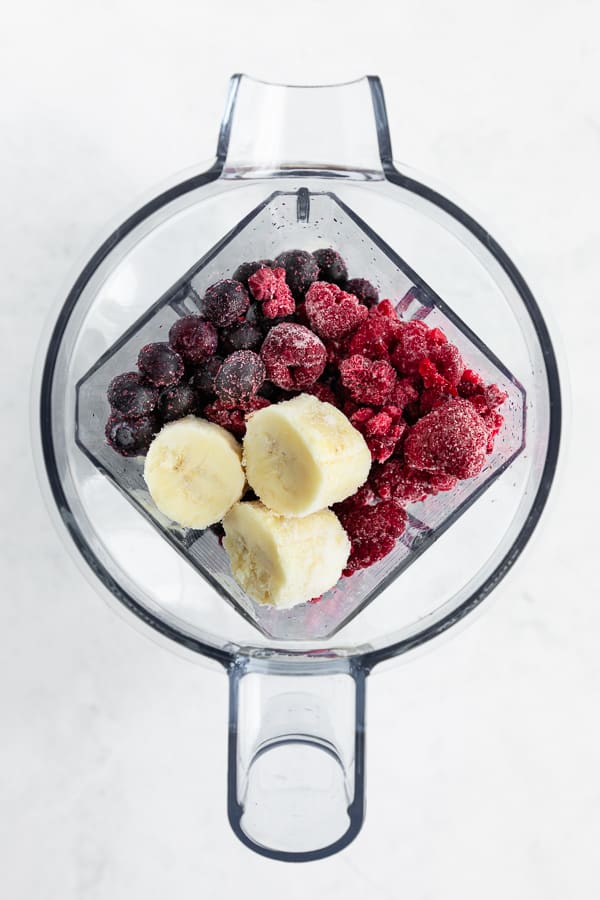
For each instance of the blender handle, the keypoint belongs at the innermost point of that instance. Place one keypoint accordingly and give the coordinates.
(296, 752)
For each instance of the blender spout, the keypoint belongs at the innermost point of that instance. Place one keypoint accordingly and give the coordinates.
(296, 757)
(269, 129)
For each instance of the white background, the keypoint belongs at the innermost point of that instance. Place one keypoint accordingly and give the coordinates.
(483, 756)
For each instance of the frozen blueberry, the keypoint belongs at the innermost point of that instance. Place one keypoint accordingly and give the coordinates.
(193, 338)
(203, 381)
(224, 302)
(177, 401)
(331, 265)
(131, 396)
(246, 269)
(366, 292)
(240, 377)
(244, 336)
(301, 269)
(130, 437)
(160, 364)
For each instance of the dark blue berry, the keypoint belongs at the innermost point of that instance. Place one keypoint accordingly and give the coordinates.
(194, 339)
(131, 396)
(177, 401)
(224, 302)
(203, 381)
(240, 377)
(160, 364)
(246, 269)
(366, 292)
(243, 336)
(332, 267)
(130, 437)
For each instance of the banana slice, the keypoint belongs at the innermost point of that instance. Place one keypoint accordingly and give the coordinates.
(283, 561)
(303, 455)
(193, 471)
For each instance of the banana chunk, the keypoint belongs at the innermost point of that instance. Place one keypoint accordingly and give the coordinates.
(283, 561)
(193, 471)
(302, 455)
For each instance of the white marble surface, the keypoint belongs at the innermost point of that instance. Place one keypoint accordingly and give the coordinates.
(483, 755)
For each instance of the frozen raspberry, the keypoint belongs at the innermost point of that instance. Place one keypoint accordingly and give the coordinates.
(470, 384)
(294, 357)
(494, 397)
(364, 496)
(301, 269)
(375, 336)
(415, 342)
(224, 302)
(130, 437)
(160, 364)
(451, 439)
(332, 312)
(448, 361)
(243, 336)
(203, 381)
(131, 396)
(368, 381)
(394, 480)
(177, 401)
(239, 378)
(331, 265)
(233, 418)
(363, 289)
(433, 397)
(404, 391)
(381, 430)
(194, 339)
(246, 269)
(270, 288)
(373, 532)
(494, 422)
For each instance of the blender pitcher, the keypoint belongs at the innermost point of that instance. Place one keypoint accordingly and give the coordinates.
(298, 167)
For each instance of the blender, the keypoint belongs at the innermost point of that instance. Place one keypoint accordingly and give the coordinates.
(298, 167)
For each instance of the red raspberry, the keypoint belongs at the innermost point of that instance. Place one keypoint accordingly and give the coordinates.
(394, 480)
(269, 286)
(381, 430)
(416, 341)
(494, 397)
(448, 362)
(451, 439)
(375, 335)
(368, 381)
(233, 419)
(405, 391)
(364, 496)
(494, 421)
(332, 312)
(322, 392)
(470, 384)
(432, 398)
(373, 532)
(294, 357)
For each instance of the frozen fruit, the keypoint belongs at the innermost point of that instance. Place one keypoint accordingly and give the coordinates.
(366, 292)
(203, 381)
(130, 437)
(224, 302)
(375, 336)
(280, 560)
(381, 429)
(395, 480)
(404, 392)
(470, 384)
(193, 471)
(177, 401)
(451, 439)
(269, 287)
(368, 381)
(432, 397)
(494, 396)
(194, 339)
(364, 496)
(373, 532)
(322, 392)
(160, 364)
(303, 455)
(234, 418)
(415, 342)
(130, 395)
(246, 269)
(448, 361)
(332, 312)
(240, 377)
(301, 269)
(331, 265)
(294, 357)
(243, 336)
